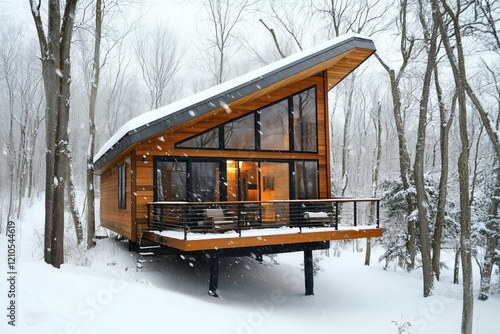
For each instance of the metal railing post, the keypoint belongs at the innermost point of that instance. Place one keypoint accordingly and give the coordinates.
(337, 222)
(149, 216)
(355, 213)
(240, 209)
(378, 213)
(184, 218)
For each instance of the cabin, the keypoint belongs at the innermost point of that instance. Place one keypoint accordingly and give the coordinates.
(240, 169)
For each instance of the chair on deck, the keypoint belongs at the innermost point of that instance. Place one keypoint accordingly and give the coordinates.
(318, 219)
(215, 220)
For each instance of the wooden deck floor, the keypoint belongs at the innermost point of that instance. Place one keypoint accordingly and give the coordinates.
(218, 241)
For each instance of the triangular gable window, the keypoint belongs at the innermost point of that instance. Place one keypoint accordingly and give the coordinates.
(240, 133)
(287, 125)
(207, 139)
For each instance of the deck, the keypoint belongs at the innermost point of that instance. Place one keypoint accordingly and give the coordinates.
(189, 227)
(256, 228)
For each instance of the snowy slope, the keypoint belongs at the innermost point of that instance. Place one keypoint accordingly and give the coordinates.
(109, 295)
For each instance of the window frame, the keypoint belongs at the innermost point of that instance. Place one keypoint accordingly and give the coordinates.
(292, 179)
(257, 119)
(122, 186)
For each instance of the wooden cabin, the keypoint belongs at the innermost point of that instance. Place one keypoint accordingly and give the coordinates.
(241, 168)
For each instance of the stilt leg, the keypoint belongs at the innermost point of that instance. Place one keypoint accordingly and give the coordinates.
(133, 246)
(308, 272)
(214, 275)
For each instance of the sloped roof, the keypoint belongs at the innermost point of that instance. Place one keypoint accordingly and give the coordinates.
(156, 121)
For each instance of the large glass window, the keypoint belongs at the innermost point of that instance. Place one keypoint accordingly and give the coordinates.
(306, 180)
(274, 127)
(275, 180)
(171, 181)
(268, 128)
(214, 180)
(304, 121)
(208, 139)
(240, 134)
(204, 181)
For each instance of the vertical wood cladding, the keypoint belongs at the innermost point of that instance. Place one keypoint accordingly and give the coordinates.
(131, 222)
(112, 217)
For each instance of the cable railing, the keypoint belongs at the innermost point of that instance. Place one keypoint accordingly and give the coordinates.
(218, 217)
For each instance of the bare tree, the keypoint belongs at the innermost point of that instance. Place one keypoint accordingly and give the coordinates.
(444, 134)
(71, 194)
(456, 58)
(159, 57)
(352, 16)
(116, 91)
(29, 118)
(430, 38)
(55, 46)
(377, 124)
(407, 42)
(483, 26)
(9, 68)
(94, 84)
(275, 39)
(223, 17)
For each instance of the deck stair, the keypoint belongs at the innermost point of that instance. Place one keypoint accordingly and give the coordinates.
(147, 254)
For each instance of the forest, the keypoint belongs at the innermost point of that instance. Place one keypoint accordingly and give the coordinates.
(417, 125)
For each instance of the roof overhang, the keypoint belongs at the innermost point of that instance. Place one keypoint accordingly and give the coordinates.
(338, 57)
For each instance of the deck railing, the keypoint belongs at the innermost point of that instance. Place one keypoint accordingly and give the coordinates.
(213, 217)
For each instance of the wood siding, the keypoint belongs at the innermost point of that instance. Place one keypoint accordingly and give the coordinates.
(132, 221)
(113, 218)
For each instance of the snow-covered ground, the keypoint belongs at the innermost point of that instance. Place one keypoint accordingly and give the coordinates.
(102, 291)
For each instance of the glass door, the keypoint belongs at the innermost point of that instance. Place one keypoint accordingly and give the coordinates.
(275, 185)
(253, 182)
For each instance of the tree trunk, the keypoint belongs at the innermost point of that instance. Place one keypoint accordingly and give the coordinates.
(444, 134)
(404, 163)
(491, 126)
(96, 68)
(492, 236)
(55, 55)
(10, 162)
(376, 173)
(368, 253)
(407, 43)
(347, 122)
(456, 267)
(457, 61)
(430, 38)
(73, 208)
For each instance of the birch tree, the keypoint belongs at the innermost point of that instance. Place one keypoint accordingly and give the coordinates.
(94, 84)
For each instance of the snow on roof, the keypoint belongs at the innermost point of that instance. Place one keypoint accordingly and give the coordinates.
(170, 115)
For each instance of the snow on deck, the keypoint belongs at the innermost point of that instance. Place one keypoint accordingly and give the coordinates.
(263, 232)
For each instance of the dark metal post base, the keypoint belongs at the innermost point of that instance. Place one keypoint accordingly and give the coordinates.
(309, 272)
(213, 287)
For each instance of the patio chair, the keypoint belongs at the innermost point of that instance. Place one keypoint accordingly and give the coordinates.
(215, 220)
